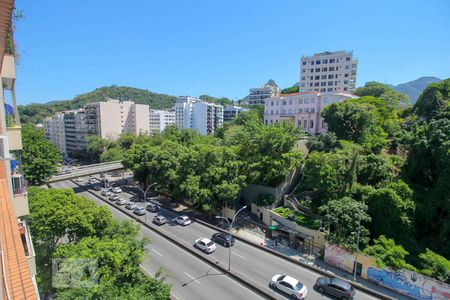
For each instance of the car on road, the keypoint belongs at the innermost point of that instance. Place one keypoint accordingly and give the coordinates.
(113, 197)
(159, 220)
(140, 211)
(106, 193)
(183, 220)
(121, 201)
(130, 205)
(223, 239)
(117, 190)
(205, 245)
(79, 179)
(335, 287)
(87, 184)
(289, 285)
(97, 188)
(152, 207)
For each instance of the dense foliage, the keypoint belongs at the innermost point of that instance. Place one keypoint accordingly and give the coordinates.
(291, 90)
(388, 167)
(70, 228)
(40, 157)
(209, 171)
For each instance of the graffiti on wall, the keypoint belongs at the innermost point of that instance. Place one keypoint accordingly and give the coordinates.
(339, 258)
(410, 283)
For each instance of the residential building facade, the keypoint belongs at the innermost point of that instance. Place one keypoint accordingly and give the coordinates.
(193, 113)
(328, 72)
(160, 119)
(302, 109)
(55, 131)
(260, 94)
(75, 131)
(17, 256)
(231, 112)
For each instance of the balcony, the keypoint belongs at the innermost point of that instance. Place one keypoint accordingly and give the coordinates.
(30, 255)
(14, 137)
(20, 201)
(8, 74)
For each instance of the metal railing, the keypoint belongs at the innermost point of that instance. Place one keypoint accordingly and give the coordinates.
(5, 283)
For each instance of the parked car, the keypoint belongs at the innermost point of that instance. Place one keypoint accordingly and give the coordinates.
(130, 205)
(335, 287)
(183, 220)
(140, 211)
(152, 207)
(159, 220)
(87, 184)
(223, 239)
(105, 193)
(97, 188)
(79, 179)
(113, 197)
(121, 201)
(114, 184)
(205, 245)
(117, 190)
(289, 285)
(137, 199)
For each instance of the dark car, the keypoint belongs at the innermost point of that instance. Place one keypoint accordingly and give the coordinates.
(152, 207)
(97, 188)
(335, 287)
(223, 239)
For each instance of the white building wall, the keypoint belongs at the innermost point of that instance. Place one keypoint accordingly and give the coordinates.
(160, 119)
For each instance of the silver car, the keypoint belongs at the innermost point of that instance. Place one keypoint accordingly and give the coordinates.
(289, 285)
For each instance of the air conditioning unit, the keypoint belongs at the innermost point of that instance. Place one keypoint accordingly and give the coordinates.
(4, 148)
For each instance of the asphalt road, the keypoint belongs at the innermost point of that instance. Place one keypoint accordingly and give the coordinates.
(190, 277)
(251, 262)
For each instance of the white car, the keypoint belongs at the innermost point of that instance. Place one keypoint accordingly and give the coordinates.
(79, 179)
(183, 220)
(106, 193)
(206, 245)
(289, 285)
(117, 190)
(130, 205)
(121, 201)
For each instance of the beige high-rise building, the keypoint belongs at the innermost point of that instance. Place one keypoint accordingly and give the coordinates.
(328, 72)
(17, 256)
(111, 118)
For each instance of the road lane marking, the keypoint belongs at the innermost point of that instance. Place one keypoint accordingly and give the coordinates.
(192, 278)
(156, 252)
(239, 255)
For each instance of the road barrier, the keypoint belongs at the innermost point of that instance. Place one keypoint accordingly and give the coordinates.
(256, 287)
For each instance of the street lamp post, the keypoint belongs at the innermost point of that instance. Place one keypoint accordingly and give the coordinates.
(230, 227)
(357, 250)
(145, 196)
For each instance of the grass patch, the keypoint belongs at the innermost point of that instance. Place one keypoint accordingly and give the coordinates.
(297, 217)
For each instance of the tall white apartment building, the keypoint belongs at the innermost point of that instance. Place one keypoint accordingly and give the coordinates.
(75, 130)
(302, 109)
(260, 94)
(55, 131)
(328, 72)
(111, 118)
(160, 119)
(193, 113)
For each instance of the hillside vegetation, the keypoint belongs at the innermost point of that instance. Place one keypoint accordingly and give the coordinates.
(36, 113)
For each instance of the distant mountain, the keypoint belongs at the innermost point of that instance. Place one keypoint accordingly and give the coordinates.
(414, 88)
(36, 113)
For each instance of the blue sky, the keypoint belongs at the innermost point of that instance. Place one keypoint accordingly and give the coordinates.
(220, 47)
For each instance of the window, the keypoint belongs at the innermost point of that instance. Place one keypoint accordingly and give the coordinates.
(332, 60)
(324, 61)
(311, 124)
(307, 109)
(299, 123)
(330, 76)
(324, 69)
(313, 101)
(303, 77)
(285, 284)
(316, 84)
(271, 103)
(345, 89)
(300, 110)
(323, 83)
(312, 70)
(345, 81)
(346, 75)
(305, 123)
(335, 83)
(330, 83)
(284, 102)
(303, 84)
(300, 101)
(304, 63)
(306, 101)
(312, 62)
(317, 62)
(317, 77)
(311, 77)
(317, 69)
(331, 68)
(277, 112)
(324, 76)
(266, 122)
(347, 58)
(347, 67)
(290, 102)
(322, 90)
(303, 71)
(311, 84)
(329, 89)
(271, 112)
(283, 111)
(313, 110)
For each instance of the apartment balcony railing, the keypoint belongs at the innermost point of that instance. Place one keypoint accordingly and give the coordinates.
(28, 246)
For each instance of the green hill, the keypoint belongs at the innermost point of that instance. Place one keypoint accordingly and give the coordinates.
(36, 113)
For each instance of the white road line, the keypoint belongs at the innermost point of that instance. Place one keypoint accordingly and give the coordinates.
(192, 278)
(156, 252)
(239, 256)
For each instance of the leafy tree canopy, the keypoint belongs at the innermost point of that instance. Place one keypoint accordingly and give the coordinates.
(388, 254)
(433, 103)
(379, 90)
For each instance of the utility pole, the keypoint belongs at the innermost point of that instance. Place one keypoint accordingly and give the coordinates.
(357, 250)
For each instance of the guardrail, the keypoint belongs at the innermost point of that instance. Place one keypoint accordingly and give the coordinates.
(87, 170)
(255, 287)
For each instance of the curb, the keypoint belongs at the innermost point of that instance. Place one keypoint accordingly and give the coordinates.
(255, 287)
(310, 267)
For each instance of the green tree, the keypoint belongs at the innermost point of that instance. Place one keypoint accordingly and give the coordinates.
(377, 169)
(323, 143)
(40, 158)
(290, 90)
(388, 254)
(97, 145)
(435, 265)
(433, 103)
(125, 140)
(378, 90)
(112, 154)
(345, 216)
(138, 160)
